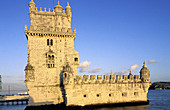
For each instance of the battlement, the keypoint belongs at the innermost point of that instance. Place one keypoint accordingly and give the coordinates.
(93, 79)
(50, 21)
(45, 9)
(48, 11)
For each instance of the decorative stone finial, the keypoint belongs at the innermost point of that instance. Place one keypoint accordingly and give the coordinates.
(111, 73)
(32, 1)
(58, 3)
(68, 5)
(130, 72)
(26, 27)
(75, 30)
(144, 64)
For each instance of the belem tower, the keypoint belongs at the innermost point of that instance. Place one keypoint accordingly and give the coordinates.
(51, 73)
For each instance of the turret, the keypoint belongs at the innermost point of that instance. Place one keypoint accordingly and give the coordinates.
(67, 74)
(68, 10)
(130, 76)
(32, 6)
(29, 73)
(58, 8)
(145, 73)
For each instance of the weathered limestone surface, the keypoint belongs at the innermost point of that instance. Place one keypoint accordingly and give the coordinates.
(50, 48)
(91, 91)
(51, 73)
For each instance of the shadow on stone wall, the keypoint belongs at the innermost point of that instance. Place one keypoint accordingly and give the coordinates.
(45, 106)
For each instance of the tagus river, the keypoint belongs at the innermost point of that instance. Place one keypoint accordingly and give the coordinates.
(159, 100)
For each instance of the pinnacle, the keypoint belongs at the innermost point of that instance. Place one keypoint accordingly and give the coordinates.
(111, 73)
(144, 64)
(58, 3)
(32, 1)
(68, 4)
(130, 72)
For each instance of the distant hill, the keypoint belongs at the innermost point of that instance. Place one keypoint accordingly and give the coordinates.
(160, 85)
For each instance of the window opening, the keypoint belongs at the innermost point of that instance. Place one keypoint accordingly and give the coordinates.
(48, 42)
(76, 59)
(51, 42)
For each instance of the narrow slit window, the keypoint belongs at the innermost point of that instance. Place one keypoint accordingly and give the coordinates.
(49, 57)
(48, 42)
(51, 42)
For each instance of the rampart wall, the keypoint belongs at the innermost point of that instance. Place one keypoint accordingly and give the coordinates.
(88, 90)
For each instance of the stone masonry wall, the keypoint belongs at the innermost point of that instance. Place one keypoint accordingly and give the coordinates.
(85, 91)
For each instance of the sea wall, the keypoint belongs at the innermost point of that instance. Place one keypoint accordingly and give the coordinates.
(88, 90)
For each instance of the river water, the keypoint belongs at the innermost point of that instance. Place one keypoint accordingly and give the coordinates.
(159, 100)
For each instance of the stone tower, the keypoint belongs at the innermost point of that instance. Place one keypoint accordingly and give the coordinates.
(50, 51)
(145, 73)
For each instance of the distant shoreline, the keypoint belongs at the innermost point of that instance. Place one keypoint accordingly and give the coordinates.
(160, 86)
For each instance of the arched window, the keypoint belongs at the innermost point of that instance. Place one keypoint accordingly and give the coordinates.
(48, 42)
(51, 42)
(49, 57)
(48, 65)
(76, 59)
(50, 61)
(52, 57)
(65, 75)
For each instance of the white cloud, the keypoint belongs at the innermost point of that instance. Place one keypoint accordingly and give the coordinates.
(122, 72)
(152, 61)
(95, 70)
(85, 67)
(134, 67)
(84, 64)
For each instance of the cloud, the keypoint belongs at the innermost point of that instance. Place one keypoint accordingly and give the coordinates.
(133, 67)
(152, 61)
(84, 64)
(95, 70)
(85, 67)
(122, 72)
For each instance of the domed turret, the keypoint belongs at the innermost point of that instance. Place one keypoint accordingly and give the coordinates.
(68, 10)
(130, 76)
(130, 72)
(67, 75)
(58, 8)
(145, 73)
(32, 6)
(29, 73)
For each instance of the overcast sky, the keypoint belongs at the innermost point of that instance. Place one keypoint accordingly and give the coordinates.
(113, 35)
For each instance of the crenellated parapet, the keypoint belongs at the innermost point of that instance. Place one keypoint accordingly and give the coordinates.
(107, 79)
(54, 22)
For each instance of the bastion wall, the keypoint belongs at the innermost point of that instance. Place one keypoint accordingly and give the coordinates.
(88, 90)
